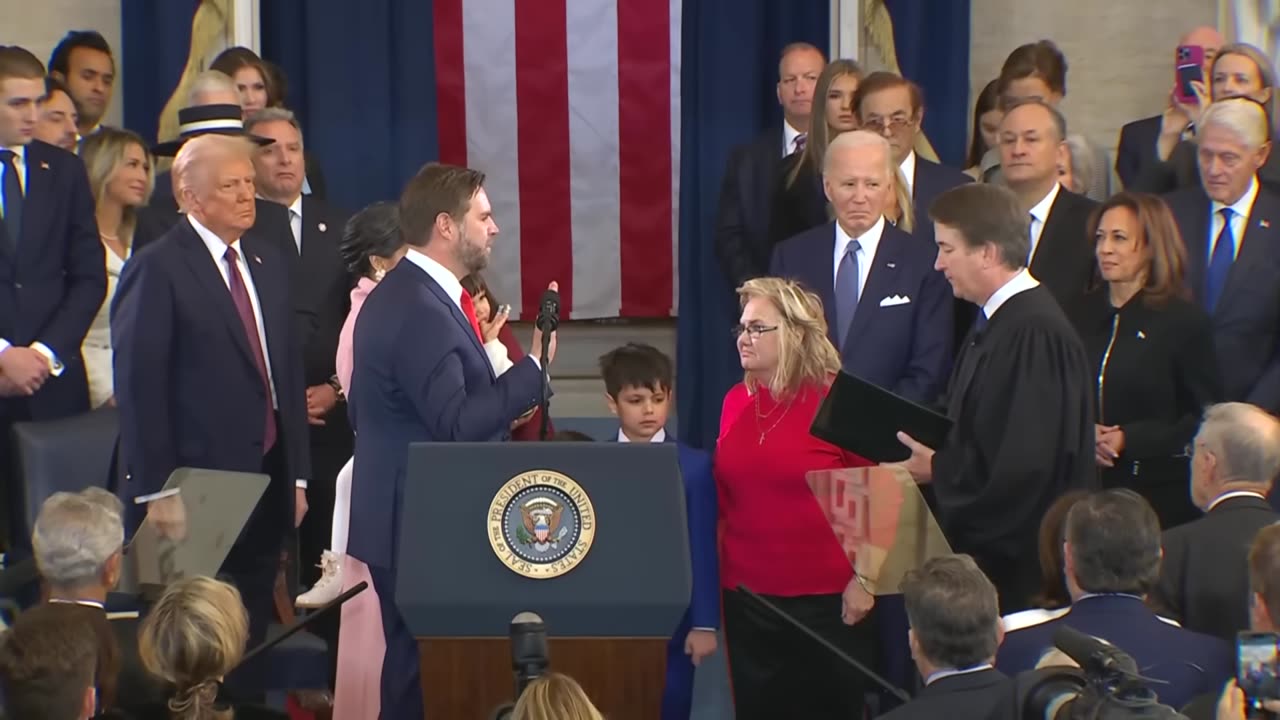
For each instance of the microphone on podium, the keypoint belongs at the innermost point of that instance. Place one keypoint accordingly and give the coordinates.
(529, 660)
(548, 320)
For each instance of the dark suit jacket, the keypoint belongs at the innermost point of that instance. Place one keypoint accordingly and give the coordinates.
(1246, 321)
(420, 375)
(799, 206)
(904, 347)
(1137, 149)
(746, 198)
(931, 181)
(322, 298)
(971, 696)
(52, 285)
(1182, 171)
(1204, 578)
(1064, 260)
(187, 383)
(1190, 662)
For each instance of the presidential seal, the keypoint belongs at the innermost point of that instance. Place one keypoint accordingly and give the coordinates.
(541, 524)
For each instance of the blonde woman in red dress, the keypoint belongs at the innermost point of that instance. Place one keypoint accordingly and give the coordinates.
(775, 539)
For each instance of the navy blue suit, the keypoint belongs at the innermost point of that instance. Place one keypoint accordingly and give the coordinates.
(704, 605)
(190, 394)
(905, 348)
(1246, 321)
(1137, 149)
(420, 375)
(1190, 662)
(52, 285)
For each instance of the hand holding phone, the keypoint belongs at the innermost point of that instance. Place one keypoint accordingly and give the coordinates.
(1258, 667)
(1188, 69)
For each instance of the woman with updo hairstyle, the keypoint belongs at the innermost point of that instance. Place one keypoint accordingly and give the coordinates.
(776, 539)
(193, 637)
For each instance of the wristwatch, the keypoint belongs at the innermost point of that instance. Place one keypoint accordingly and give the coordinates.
(337, 387)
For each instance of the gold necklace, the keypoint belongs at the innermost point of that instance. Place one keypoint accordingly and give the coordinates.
(775, 424)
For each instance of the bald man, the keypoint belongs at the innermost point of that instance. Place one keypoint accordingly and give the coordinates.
(1138, 139)
(208, 370)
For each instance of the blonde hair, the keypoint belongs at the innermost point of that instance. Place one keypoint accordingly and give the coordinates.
(805, 354)
(193, 637)
(819, 133)
(555, 697)
(103, 155)
(198, 152)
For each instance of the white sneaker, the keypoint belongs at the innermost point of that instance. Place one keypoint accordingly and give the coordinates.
(328, 587)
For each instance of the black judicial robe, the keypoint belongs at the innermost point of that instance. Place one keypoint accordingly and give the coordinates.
(1021, 397)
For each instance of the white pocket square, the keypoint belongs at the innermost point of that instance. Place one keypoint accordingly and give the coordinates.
(895, 300)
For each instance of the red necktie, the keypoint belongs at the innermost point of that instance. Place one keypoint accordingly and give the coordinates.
(244, 308)
(469, 309)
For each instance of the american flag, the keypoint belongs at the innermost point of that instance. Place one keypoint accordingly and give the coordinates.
(572, 110)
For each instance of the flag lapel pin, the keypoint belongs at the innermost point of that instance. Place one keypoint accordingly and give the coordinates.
(44, 165)
(257, 259)
(1142, 335)
(323, 227)
(1264, 224)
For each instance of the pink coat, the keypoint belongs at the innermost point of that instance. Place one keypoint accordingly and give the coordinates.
(346, 357)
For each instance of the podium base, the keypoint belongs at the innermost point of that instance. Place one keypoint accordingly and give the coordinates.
(468, 677)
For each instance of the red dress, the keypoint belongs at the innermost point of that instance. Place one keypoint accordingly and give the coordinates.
(775, 539)
(528, 431)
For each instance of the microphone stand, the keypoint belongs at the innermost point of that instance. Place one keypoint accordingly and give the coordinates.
(544, 403)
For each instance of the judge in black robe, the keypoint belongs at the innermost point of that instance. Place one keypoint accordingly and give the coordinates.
(1020, 396)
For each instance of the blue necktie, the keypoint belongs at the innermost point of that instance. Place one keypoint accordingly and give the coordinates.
(1224, 253)
(12, 188)
(980, 322)
(846, 291)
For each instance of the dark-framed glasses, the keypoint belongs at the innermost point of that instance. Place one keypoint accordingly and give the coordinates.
(753, 331)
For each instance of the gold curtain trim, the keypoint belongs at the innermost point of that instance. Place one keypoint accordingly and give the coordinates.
(877, 30)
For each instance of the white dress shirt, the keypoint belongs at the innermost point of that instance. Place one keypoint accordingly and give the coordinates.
(295, 222)
(789, 135)
(217, 249)
(1040, 214)
(20, 162)
(1235, 494)
(660, 436)
(443, 276)
(952, 672)
(866, 254)
(1239, 219)
(908, 168)
(1018, 283)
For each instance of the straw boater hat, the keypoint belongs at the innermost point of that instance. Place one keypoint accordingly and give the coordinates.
(205, 119)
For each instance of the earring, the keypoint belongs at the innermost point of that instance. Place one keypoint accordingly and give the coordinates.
(378, 274)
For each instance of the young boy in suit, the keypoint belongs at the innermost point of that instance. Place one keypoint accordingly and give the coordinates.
(637, 381)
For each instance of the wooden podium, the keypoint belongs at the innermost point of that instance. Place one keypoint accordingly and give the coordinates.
(469, 677)
(590, 536)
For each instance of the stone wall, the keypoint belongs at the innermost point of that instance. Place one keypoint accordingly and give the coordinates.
(1119, 54)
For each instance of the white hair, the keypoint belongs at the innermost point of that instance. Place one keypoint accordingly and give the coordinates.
(1242, 117)
(211, 82)
(1246, 440)
(858, 139)
(197, 154)
(75, 535)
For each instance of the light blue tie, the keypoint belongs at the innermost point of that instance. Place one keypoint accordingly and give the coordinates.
(846, 291)
(1224, 253)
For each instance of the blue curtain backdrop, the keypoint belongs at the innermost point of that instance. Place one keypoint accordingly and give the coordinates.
(362, 79)
(729, 68)
(932, 42)
(155, 35)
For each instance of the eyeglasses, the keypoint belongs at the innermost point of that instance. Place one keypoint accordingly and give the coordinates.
(895, 123)
(753, 331)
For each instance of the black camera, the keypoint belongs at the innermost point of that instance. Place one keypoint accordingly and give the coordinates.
(1106, 686)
